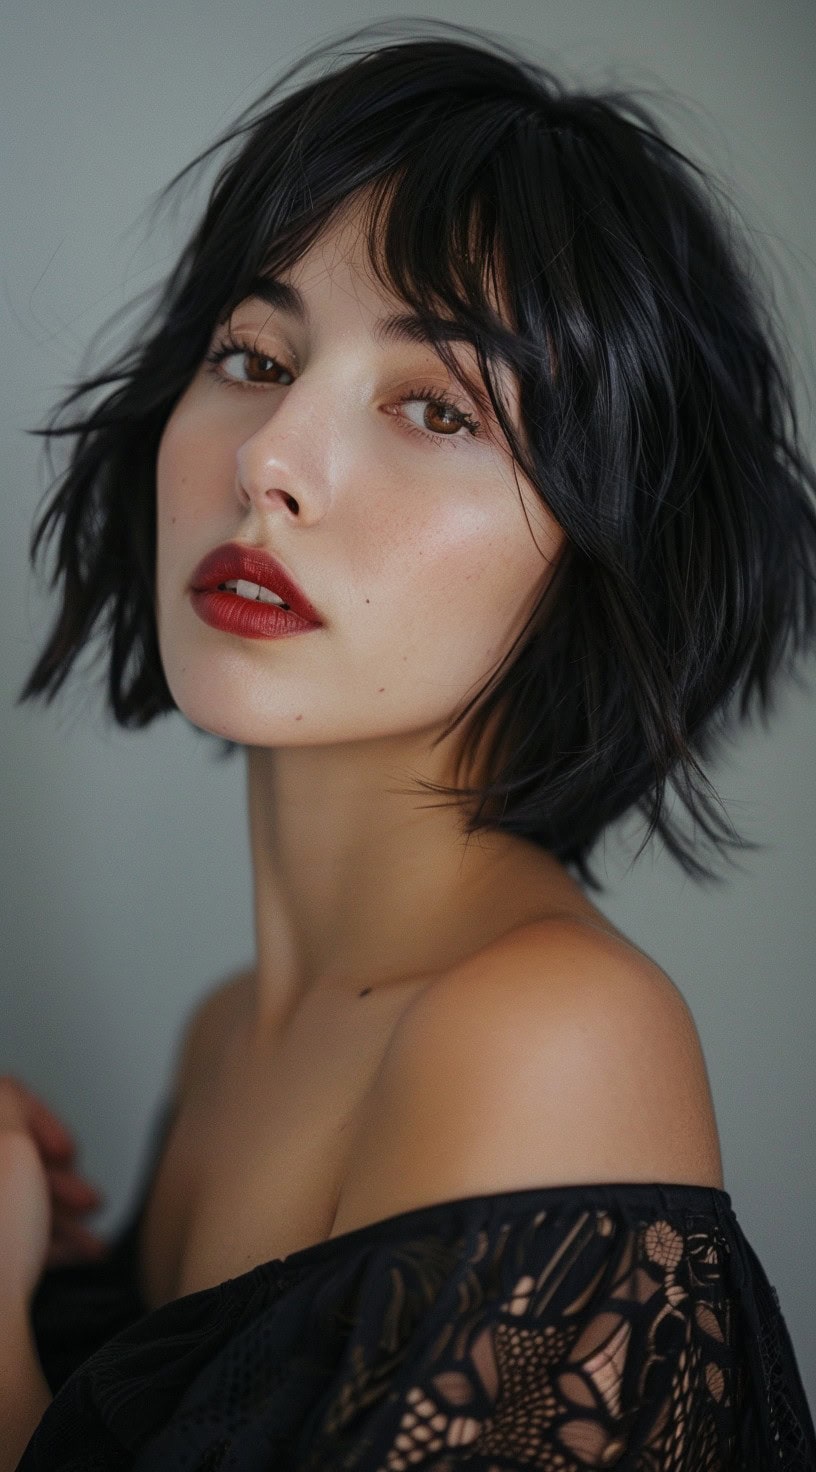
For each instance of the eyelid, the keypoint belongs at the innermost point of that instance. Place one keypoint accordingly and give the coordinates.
(226, 330)
(254, 335)
(228, 342)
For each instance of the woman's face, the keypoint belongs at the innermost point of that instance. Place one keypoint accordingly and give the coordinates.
(404, 529)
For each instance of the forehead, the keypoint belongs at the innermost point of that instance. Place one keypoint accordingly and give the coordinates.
(340, 252)
(345, 270)
(346, 244)
(346, 262)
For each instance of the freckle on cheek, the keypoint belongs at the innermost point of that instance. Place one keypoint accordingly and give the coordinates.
(380, 691)
(299, 718)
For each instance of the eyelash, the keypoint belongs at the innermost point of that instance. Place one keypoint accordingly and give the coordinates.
(229, 345)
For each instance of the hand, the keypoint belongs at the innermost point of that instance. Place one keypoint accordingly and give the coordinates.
(25, 1221)
(51, 1151)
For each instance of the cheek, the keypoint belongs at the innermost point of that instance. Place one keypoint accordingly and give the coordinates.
(171, 486)
(190, 477)
(487, 559)
(180, 451)
(463, 589)
(183, 472)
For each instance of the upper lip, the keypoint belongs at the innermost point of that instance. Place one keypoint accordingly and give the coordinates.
(232, 560)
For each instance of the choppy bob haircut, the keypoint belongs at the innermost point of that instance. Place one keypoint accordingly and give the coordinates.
(654, 399)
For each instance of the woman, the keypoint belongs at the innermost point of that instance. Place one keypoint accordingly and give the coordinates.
(453, 462)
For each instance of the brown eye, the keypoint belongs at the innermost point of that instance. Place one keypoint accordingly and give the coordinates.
(439, 418)
(233, 349)
(260, 358)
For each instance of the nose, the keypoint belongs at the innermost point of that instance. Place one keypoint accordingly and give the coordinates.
(280, 464)
(265, 497)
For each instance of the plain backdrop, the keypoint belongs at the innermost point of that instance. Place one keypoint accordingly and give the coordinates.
(125, 873)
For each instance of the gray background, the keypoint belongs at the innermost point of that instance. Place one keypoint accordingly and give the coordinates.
(125, 873)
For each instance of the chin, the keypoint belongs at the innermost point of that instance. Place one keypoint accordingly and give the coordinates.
(225, 707)
(220, 715)
(241, 730)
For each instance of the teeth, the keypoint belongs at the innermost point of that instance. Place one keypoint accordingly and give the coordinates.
(254, 591)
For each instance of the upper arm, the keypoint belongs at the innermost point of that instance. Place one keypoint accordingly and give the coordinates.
(568, 1058)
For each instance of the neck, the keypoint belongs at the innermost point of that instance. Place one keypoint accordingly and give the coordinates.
(359, 886)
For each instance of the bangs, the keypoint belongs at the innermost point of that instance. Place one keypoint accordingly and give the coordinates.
(437, 239)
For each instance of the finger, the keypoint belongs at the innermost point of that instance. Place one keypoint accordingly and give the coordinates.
(67, 1251)
(71, 1190)
(72, 1235)
(65, 1219)
(52, 1136)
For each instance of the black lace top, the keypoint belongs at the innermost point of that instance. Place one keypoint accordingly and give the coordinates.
(563, 1328)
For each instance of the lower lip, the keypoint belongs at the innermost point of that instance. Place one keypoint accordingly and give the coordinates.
(247, 617)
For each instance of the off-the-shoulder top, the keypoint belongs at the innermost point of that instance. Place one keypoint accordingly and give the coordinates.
(561, 1328)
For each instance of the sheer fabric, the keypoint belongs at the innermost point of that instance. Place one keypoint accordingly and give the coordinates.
(564, 1328)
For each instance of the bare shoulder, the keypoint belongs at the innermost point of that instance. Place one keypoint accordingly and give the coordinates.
(205, 1029)
(576, 1019)
(560, 1055)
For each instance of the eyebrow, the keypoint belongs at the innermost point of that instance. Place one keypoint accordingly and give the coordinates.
(400, 327)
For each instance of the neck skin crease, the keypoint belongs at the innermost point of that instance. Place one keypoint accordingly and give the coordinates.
(356, 887)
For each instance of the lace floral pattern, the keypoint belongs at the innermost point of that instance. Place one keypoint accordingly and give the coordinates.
(614, 1340)
(563, 1329)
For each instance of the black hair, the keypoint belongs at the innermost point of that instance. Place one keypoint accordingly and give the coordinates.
(657, 415)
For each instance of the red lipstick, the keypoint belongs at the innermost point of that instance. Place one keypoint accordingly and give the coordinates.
(248, 613)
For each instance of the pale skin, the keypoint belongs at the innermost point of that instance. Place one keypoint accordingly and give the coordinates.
(418, 554)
